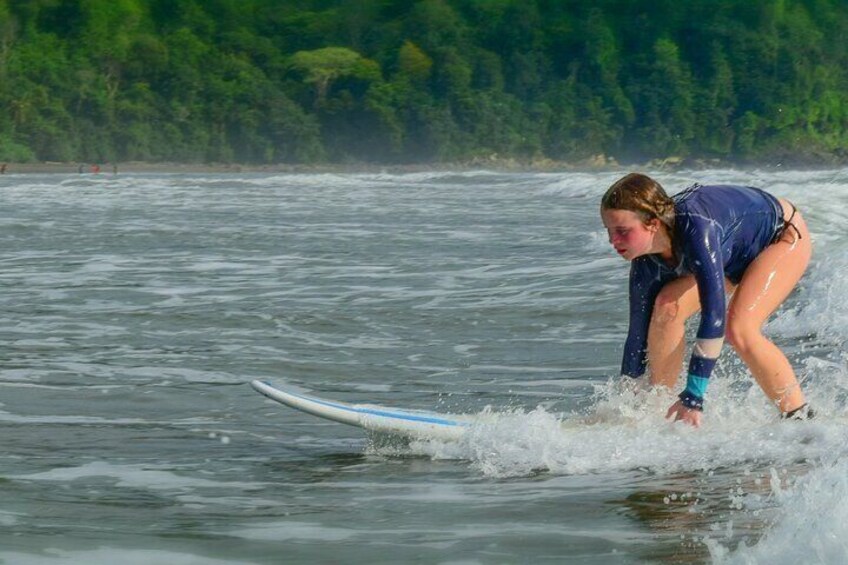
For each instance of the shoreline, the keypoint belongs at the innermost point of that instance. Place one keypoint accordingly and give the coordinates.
(597, 164)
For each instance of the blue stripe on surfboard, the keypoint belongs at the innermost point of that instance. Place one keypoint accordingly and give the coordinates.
(375, 412)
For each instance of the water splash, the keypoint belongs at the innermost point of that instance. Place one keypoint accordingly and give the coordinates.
(811, 525)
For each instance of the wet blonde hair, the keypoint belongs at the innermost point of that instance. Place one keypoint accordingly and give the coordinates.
(641, 194)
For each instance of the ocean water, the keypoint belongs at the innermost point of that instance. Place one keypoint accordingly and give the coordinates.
(134, 310)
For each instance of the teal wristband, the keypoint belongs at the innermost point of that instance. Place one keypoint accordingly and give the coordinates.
(696, 386)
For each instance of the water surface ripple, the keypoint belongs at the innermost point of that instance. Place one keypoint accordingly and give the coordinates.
(135, 308)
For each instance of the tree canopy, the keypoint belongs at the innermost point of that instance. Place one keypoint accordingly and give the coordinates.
(403, 81)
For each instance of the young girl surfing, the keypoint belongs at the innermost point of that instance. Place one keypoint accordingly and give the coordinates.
(686, 252)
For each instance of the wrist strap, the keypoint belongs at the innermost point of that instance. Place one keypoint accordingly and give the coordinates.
(691, 401)
(693, 395)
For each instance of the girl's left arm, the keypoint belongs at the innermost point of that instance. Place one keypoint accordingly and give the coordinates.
(702, 249)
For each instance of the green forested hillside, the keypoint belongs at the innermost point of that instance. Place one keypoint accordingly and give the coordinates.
(399, 81)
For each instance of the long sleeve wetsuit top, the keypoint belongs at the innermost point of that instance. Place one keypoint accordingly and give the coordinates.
(718, 231)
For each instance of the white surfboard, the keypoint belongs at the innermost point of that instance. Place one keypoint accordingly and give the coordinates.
(410, 423)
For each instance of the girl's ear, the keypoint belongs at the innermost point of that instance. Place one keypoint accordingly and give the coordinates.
(654, 224)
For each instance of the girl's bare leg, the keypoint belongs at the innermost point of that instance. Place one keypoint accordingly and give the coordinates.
(676, 302)
(764, 286)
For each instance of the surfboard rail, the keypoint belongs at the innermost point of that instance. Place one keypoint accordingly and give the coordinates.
(411, 423)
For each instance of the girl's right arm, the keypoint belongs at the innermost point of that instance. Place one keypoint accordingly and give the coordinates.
(645, 283)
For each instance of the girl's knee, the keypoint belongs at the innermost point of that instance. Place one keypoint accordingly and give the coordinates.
(741, 336)
(668, 309)
(665, 312)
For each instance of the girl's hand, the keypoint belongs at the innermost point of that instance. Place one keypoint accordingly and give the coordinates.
(681, 413)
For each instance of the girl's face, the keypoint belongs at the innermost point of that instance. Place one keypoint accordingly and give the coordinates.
(628, 234)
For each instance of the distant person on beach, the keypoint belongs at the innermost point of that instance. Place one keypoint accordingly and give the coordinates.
(686, 252)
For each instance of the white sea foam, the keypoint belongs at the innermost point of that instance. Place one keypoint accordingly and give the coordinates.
(290, 530)
(811, 525)
(823, 309)
(109, 556)
(9, 518)
(153, 477)
(575, 185)
(628, 431)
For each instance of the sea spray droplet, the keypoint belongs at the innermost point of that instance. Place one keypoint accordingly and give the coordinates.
(811, 524)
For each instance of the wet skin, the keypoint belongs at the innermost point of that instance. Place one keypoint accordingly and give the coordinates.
(632, 237)
(766, 283)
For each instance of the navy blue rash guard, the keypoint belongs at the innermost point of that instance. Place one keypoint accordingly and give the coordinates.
(718, 232)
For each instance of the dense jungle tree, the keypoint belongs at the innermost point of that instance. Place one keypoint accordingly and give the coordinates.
(399, 81)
